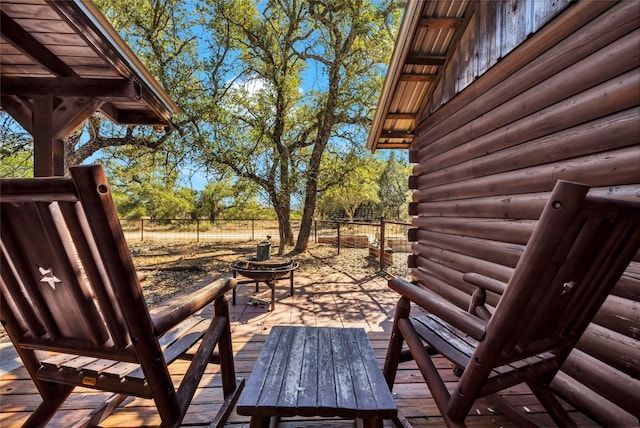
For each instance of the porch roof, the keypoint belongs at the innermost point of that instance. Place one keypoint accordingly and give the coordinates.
(425, 43)
(69, 50)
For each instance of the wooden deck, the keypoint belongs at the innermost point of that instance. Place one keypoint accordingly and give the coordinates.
(329, 300)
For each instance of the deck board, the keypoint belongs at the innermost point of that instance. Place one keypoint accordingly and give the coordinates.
(337, 300)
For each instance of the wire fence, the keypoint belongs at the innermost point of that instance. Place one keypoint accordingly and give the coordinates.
(384, 242)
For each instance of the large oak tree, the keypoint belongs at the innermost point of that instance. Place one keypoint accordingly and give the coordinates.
(308, 77)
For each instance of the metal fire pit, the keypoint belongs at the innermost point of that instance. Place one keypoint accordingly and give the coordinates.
(267, 271)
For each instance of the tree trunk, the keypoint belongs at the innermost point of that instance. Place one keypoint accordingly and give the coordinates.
(311, 189)
(283, 213)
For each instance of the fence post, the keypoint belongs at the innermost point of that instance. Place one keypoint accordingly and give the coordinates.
(141, 230)
(315, 231)
(382, 243)
(338, 237)
(197, 230)
(253, 225)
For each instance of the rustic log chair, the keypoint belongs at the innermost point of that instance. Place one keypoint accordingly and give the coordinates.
(578, 251)
(75, 312)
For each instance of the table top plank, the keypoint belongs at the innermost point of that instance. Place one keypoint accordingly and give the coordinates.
(326, 373)
(345, 392)
(363, 394)
(291, 386)
(274, 377)
(308, 397)
(377, 383)
(252, 392)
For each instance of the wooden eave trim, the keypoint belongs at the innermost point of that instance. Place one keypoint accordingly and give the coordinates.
(27, 44)
(413, 12)
(71, 87)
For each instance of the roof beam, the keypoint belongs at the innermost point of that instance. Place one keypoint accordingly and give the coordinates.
(71, 87)
(416, 77)
(434, 22)
(403, 116)
(26, 43)
(382, 145)
(407, 135)
(426, 60)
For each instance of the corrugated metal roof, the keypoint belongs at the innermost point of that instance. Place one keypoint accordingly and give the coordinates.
(423, 48)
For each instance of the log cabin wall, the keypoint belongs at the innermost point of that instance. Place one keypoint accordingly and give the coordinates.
(512, 113)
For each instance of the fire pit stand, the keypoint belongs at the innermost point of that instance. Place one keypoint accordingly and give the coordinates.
(267, 271)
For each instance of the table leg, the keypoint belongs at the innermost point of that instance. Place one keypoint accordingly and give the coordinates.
(259, 422)
(372, 422)
(272, 285)
(233, 293)
(291, 284)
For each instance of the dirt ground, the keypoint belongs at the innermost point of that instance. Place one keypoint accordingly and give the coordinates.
(171, 268)
(167, 269)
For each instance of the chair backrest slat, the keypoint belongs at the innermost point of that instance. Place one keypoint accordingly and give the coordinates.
(15, 302)
(60, 281)
(570, 265)
(51, 274)
(89, 255)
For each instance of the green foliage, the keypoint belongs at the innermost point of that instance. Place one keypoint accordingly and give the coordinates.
(155, 200)
(16, 148)
(353, 180)
(394, 193)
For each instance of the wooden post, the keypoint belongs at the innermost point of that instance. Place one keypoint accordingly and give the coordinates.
(338, 237)
(382, 239)
(46, 148)
(141, 230)
(197, 230)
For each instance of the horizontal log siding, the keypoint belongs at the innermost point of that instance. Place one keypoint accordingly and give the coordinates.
(488, 159)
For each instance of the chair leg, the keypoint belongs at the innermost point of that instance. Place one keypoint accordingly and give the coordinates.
(102, 412)
(551, 404)
(231, 387)
(394, 350)
(429, 372)
(53, 395)
(225, 349)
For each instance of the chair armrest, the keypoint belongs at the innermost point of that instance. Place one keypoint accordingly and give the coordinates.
(478, 299)
(179, 308)
(485, 282)
(442, 308)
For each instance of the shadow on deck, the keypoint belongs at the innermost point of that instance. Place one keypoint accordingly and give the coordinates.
(337, 300)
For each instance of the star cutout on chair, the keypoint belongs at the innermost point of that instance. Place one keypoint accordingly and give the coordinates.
(49, 277)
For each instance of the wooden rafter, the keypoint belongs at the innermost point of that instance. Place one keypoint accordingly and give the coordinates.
(402, 116)
(416, 77)
(435, 22)
(31, 47)
(426, 60)
(71, 87)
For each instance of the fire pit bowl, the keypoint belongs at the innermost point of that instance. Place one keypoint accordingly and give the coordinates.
(267, 271)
